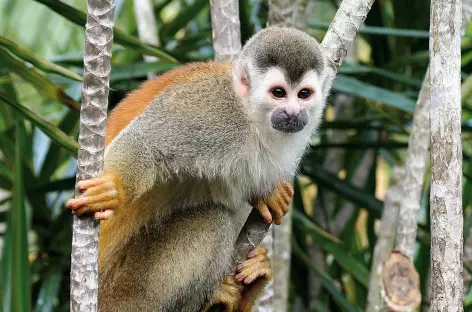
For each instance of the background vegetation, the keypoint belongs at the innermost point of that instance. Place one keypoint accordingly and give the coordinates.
(41, 60)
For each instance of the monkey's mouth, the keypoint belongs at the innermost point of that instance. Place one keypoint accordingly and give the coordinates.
(289, 123)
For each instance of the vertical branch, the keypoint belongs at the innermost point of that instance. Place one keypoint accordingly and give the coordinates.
(226, 31)
(147, 27)
(446, 156)
(93, 114)
(415, 164)
(385, 239)
(281, 13)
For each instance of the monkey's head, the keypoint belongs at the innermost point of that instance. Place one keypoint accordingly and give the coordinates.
(281, 77)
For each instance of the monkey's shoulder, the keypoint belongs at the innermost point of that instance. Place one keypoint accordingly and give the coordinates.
(136, 102)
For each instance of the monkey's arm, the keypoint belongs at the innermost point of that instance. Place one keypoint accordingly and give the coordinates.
(130, 170)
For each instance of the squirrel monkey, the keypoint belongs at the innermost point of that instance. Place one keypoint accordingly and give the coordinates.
(187, 157)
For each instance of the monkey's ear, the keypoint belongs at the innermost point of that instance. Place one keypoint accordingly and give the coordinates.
(241, 78)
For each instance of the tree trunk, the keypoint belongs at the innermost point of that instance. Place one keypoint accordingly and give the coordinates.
(93, 113)
(226, 31)
(446, 156)
(147, 27)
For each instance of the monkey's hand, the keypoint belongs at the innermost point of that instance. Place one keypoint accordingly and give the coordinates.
(275, 205)
(100, 196)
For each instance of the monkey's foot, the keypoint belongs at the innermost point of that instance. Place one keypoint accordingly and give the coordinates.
(257, 265)
(275, 206)
(100, 196)
(227, 296)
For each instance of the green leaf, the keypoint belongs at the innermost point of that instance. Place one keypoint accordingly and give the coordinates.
(54, 133)
(183, 18)
(325, 280)
(49, 290)
(349, 68)
(21, 300)
(41, 83)
(383, 31)
(65, 184)
(80, 18)
(138, 70)
(333, 246)
(347, 190)
(360, 89)
(53, 155)
(37, 60)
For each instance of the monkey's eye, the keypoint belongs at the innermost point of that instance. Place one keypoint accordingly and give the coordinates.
(304, 94)
(278, 92)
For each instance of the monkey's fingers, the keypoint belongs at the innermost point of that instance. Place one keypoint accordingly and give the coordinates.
(100, 197)
(263, 209)
(256, 266)
(276, 204)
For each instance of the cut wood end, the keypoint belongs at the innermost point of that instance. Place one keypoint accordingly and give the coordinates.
(400, 283)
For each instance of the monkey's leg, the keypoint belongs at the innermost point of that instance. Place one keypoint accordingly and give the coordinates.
(227, 297)
(238, 292)
(101, 196)
(275, 205)
(172, 267)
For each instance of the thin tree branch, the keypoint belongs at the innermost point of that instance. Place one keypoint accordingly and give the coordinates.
(225, 29)
(446, 157)
(93, 113)
(147, 27)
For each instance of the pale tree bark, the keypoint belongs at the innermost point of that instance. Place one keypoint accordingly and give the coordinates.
(417, 156)
(342, 31)
(147, 27)
(226, 31)
(93, 113)
(385, 239)
(446, 156)
(465, 92)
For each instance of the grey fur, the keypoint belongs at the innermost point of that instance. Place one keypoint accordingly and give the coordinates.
(189, 166)
(288, 123)
(289, 49)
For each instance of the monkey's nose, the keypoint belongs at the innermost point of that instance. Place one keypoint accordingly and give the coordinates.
(289, 122)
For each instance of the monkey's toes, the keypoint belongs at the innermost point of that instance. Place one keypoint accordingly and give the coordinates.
(256, 266)
(228, 294)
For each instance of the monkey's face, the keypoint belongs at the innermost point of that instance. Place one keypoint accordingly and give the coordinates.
(287, 106)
